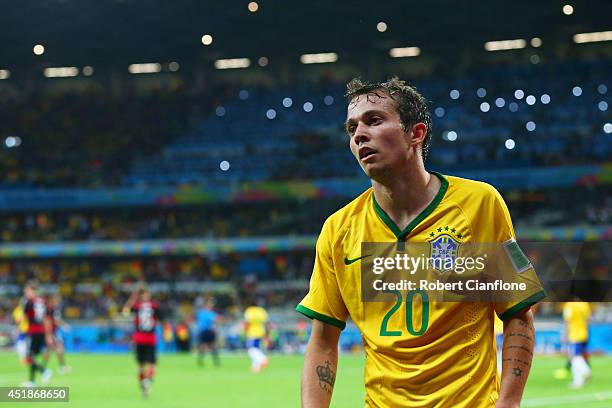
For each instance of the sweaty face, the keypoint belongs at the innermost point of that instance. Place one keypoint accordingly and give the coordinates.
(377, 137)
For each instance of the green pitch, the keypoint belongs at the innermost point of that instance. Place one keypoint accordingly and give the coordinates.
(101, 381)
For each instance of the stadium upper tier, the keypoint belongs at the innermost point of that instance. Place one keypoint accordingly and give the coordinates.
(497, 117)
(486, 119)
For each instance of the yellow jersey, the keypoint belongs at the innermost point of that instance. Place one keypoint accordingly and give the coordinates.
(417, 353)
(498, 327)
(20, 319)
(256, 318)
(577, 314)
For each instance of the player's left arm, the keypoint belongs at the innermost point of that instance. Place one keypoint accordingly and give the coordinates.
(48, 326)
(517, 354)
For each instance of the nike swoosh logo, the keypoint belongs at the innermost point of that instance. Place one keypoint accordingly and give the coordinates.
(350, 261)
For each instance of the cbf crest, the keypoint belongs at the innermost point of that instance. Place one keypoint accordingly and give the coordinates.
(443, 251)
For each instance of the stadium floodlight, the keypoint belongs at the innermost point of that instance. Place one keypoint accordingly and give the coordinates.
(232, 63)
(88, 70)
(270, 114)
(568, 10)
(403, 52)
(253, 7)
(39, 49)
(12, 141)
(5, 73)
(596, 36)
(61, 72)
(145, 68)
(207, 39)
(319, 58)
(503, 45)
(536, 42)
(381, 26)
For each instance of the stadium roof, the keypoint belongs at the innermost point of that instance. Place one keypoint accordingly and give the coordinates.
(115, 32)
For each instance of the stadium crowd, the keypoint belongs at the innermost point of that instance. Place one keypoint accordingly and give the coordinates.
(97, 136)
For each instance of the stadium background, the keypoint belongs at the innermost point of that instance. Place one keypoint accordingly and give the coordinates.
(199, 147)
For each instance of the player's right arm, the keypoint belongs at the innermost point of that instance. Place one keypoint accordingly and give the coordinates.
(325, 305)
(320, 365)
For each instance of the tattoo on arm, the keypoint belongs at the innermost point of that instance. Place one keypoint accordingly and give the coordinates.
(525, 349)
(520, 335)
(516, 360)
(327, 377)
(523, 324)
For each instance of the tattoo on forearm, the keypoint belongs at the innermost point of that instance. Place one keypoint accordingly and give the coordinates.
(520, 335)
(525, 349)
(517, 372)
(523, 324)
(327, 377)
(517, 360)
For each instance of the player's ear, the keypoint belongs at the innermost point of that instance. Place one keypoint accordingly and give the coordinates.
(419, 132)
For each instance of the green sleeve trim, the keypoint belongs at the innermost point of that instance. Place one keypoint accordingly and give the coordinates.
(530, 301)
(318, 316)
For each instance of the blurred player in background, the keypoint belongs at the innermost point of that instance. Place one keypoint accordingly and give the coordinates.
(21, 321)
(40, 334)
(446, 359)
(146, 318)
(206, 319)
(58, 325)
(576, 315)
(255, 320)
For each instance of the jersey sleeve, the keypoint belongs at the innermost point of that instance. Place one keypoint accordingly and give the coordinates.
(511, 263)
(324, 301)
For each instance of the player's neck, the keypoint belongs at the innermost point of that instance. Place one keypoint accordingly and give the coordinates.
(404, 197)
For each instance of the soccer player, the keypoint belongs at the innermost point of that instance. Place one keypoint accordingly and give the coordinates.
(255, 319)
(576, 315)
(58, 325)
(146, 318)
(421, 353)
(205, 322)
(21, 345)
(39, 333)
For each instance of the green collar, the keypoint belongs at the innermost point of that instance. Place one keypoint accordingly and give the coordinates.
(401, 235)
